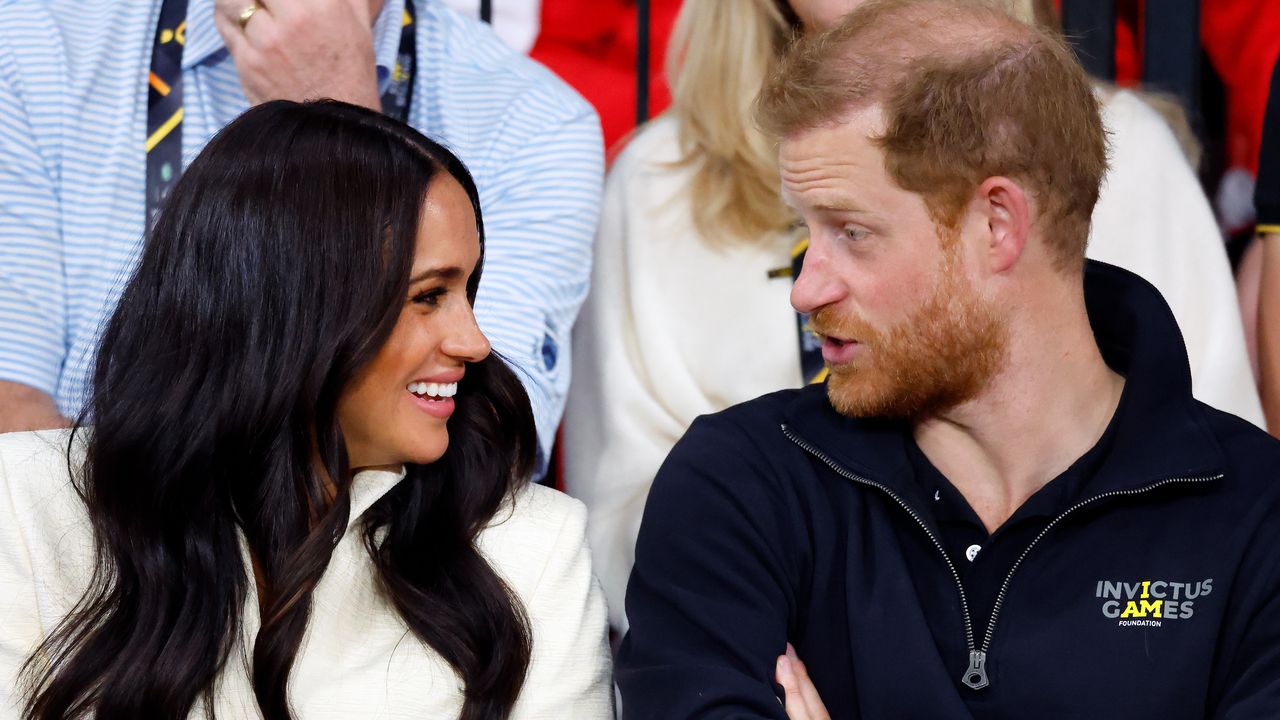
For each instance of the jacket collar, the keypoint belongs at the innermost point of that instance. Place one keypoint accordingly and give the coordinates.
(1160, 431)
(368, 487)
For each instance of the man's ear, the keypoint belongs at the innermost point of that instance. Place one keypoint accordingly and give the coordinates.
(1006, 208)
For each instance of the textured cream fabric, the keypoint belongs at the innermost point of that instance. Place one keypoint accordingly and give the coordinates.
(358, 660)
(675, 326)
(1153, 219)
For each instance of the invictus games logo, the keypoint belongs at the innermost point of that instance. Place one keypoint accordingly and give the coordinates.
(1149, 603)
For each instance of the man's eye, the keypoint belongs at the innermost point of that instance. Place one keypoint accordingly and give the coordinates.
(853, 233)
(430, 298)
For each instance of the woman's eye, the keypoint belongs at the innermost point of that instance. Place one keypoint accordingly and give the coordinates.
(430, 298)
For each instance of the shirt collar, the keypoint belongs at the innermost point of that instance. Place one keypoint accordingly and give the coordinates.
(1066, 489)
(204, 41)
(386, 38)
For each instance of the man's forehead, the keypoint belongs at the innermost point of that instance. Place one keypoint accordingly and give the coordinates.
(815, 162)
(826, 197)
(852, 133)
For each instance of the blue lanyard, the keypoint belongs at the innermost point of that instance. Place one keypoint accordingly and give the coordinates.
(813, 368)
(164, 96)
(164, 106)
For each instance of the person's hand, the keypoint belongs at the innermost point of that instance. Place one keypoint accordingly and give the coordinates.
(25, 408)
(303, 49)
(802, 701)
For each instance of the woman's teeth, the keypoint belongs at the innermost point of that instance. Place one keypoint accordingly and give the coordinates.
(434, 390)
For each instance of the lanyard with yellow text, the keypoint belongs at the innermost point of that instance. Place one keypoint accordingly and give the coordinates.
(398, 98)
(812, 367)
(164, 96)
(164, 106)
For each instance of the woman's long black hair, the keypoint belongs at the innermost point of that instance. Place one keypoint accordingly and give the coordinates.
(277, 270)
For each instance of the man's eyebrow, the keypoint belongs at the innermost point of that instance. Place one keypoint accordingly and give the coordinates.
(451, 272)
(837, 205)
(829, 204)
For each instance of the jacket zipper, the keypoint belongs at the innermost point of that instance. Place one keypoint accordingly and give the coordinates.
(975, 676)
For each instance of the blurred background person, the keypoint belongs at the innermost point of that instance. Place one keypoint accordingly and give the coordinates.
(684, 318)
(593, 45)
(1267, 202)
(103, 103)
(1241, 41)
(517, 22)
(692, 219)
(303, 494)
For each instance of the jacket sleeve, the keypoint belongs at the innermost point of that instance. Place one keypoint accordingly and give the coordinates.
(20, 626)
(32, 288)
(1253, 687)
(1246, 681)
(720, 554)
(570, 671)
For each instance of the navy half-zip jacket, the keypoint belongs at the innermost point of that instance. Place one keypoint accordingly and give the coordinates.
(1152, 590)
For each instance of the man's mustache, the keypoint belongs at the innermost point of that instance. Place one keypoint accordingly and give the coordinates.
(830, 322)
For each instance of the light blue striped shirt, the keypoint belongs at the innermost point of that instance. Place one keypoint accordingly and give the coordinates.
(73, 113)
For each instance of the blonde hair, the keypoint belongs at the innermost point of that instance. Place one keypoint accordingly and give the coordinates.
(719, 56)
(1034, 12)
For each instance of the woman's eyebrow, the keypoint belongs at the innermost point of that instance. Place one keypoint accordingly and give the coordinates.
(440, 273)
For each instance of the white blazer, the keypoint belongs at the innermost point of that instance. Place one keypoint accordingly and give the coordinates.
(358, 659)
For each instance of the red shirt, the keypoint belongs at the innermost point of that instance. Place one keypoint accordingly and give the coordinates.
(592, 45)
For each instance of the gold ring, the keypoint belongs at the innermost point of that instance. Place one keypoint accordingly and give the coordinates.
(245, 15)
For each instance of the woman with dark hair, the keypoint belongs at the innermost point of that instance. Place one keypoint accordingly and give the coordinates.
(303, 494)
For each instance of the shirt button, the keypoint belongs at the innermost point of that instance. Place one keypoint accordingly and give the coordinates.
(550, 351)
(972, 552)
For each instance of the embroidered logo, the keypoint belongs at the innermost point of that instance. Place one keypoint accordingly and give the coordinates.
(1149, 603)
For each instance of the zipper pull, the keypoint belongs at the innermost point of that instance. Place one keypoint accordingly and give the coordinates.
(976, 676)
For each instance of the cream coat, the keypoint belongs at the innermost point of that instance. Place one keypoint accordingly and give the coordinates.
(358, 660)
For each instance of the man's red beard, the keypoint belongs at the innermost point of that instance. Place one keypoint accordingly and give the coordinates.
(942, 355)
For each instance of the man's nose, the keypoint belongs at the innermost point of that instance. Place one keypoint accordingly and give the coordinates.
(818, 285)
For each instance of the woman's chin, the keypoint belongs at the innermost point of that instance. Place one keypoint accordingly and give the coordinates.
(422, 452)
(427, 453)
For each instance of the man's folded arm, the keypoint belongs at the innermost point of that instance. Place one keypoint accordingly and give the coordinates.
(713, 591)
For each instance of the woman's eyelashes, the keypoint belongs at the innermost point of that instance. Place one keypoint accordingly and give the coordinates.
(430, 297)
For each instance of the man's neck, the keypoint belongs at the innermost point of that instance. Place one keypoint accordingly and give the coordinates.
(1050, 404)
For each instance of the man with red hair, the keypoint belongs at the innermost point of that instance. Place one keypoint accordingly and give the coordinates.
(1004, 502)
